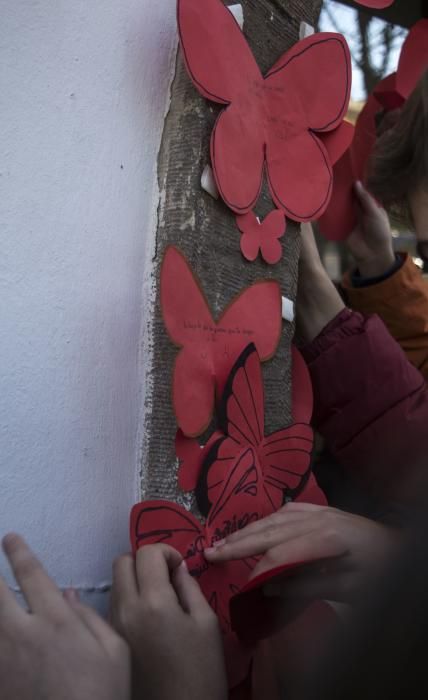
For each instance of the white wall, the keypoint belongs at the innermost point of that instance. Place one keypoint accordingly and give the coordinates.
(84, 87)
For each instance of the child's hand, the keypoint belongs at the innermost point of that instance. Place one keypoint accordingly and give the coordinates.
(371, 241)
(172, 631)
(345, 549)
(60, 650)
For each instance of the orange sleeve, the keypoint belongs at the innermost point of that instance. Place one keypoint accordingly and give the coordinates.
(401, 301)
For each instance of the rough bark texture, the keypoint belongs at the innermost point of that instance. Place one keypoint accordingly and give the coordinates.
(205, 231)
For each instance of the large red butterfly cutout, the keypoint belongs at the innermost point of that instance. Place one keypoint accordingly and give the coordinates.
(390, 94)
(208, 347)
(284, 457)
(274, 122)
(241, 500)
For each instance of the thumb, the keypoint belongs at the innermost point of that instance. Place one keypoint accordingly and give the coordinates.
(188, 591)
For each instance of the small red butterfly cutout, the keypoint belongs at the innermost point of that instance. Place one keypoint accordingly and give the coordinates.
(262, 236)
(208, 347)
(272, 123)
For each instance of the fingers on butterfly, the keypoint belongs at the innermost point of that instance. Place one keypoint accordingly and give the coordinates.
(237, 155)
(154, 522)
(215, 50)
(318, 70)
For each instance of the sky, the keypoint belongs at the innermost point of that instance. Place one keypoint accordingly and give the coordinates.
(345, 19)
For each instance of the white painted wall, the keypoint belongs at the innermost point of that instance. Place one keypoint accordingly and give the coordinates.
(83, 92)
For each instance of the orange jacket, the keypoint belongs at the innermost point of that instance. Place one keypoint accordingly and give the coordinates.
(401, 301)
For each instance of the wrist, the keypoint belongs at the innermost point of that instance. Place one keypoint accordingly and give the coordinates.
(376, 265)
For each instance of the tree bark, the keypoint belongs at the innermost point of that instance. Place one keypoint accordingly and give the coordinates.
(205, 230)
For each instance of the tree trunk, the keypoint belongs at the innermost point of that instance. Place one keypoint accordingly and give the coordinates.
(205, 230)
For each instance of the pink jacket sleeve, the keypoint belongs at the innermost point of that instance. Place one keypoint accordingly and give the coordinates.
(371, 404)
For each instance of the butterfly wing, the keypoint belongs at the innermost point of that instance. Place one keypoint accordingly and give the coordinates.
(216, 53)
(309, 95)
(190, 325)
(316, 76)
(154, 522)
(413, 59)
(241, 411)
(286, 455)
(338, 141)
(273, 228)
(238, 154)
(286, 463)
(254, 316)
(250, 235)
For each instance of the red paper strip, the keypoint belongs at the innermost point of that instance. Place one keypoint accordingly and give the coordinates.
(376, 4)
(209, 348)
(277, 121)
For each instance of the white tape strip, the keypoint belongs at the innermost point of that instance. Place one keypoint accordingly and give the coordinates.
(238, 14)
(305, 30)
(287, 309)
(208, 182)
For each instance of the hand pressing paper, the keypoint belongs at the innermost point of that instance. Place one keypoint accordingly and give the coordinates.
(241, 501)
(208, 347)
(243, 489)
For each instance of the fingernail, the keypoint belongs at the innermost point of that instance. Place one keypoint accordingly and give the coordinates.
(71, 595)
(219, 543)
(210, 550)
(10, 540)
(183, 566)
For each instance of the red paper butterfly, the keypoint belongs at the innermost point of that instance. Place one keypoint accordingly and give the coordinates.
(284, 457)
(241, 500)
(262, 236)
(274, 122)
(210, 347)
(390, 94)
